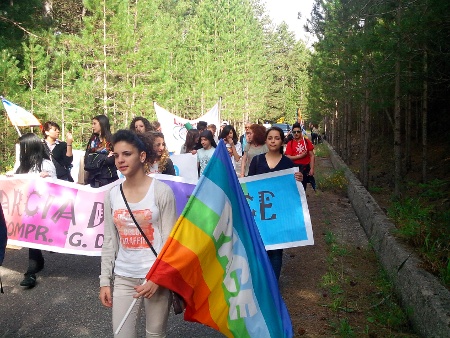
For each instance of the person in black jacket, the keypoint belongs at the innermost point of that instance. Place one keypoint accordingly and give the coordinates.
(98, 158)
(3, 235)
(60, 152)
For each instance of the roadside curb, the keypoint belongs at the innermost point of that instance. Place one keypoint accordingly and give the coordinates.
(425, 300)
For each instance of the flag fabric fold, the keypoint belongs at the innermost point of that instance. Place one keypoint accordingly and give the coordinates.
(19, 116)
(215, 259)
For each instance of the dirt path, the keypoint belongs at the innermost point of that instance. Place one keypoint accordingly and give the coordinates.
(334, 288)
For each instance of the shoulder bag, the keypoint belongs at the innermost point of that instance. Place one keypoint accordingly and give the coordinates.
(177, 300)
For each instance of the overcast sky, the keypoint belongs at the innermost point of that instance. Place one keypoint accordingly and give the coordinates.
(287, 11)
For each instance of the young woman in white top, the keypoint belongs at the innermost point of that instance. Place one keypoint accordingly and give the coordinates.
(34, 160)
(126, 257)
(234, 147)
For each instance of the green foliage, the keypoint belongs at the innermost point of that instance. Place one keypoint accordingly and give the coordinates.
(385, 309)
(425, 222)
(335, 182)
(343, 329)
(321, 150)
(116, 57)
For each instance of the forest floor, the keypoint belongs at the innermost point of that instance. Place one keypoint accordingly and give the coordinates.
(336, 288)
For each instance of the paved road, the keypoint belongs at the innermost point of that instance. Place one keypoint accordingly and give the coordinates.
(65, 301)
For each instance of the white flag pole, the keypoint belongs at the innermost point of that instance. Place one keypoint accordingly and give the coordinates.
(133, 303)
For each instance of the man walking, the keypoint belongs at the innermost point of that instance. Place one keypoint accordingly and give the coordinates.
(301, 151)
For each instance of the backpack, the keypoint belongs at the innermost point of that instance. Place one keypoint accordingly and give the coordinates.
(93, 162)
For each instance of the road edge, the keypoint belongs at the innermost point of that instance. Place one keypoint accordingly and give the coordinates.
(425, 300)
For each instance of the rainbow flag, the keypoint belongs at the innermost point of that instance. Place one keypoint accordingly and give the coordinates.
(19, 116)
(215, 259)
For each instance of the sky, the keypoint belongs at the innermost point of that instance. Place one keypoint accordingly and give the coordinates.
(287, 11)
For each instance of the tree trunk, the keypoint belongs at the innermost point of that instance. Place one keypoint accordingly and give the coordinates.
(397, 119)
(349, 133)
(365, 137)
(424, 116)
(105, 94)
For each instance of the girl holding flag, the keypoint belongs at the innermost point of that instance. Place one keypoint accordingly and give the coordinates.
(125, 250)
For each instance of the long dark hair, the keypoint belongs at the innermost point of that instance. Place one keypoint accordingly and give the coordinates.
(191, 139)
(105, 129)
(278, 129)
(226, 130)
(32, 153)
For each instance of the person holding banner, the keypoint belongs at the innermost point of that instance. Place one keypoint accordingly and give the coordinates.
(126, 256)
(98, 159)
(3, 235)
(140, 125)
(162, 164)
(60, 152)
(271, 161)
(34, 160)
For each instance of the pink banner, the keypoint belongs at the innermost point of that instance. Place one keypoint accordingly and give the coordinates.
(53, 215)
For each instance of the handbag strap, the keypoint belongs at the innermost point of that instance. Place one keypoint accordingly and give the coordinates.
(137, 224)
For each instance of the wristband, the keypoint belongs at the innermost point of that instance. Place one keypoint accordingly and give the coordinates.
(69, 145)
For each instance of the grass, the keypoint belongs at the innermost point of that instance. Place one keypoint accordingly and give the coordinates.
(321, 150)
(424, 221)
(336, 181)
(382, 312)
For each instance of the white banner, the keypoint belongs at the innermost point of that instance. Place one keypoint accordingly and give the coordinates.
(173, 126)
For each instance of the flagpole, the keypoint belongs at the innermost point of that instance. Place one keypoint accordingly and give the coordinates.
(128, 311)
(219, 108)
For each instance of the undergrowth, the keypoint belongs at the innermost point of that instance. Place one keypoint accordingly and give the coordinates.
(424, 221)
(382, 311)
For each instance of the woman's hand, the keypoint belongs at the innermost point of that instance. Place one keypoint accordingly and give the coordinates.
(146, 290)
(44, 174)
(105, 296)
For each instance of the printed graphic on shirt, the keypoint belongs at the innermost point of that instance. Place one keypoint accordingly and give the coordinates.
(130, 236)
(153, 169)
(301, 147)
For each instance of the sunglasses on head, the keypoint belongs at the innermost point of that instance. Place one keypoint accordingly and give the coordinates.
(296, 131)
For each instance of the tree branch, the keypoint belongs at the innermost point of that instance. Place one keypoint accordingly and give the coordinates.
(17, 25)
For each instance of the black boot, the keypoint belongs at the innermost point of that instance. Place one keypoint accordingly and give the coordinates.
(29, 281)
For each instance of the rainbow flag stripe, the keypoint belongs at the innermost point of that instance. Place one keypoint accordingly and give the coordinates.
(215, 259)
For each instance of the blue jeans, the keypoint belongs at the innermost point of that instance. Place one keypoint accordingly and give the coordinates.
(276, 259)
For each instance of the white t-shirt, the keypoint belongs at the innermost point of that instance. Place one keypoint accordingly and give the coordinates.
(135, 258)
(203, 157)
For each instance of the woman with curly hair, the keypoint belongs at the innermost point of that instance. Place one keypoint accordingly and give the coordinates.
(140, 125)
(256, 144)
(162, 164)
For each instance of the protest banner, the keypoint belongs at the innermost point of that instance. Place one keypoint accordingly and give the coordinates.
(65, 217)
